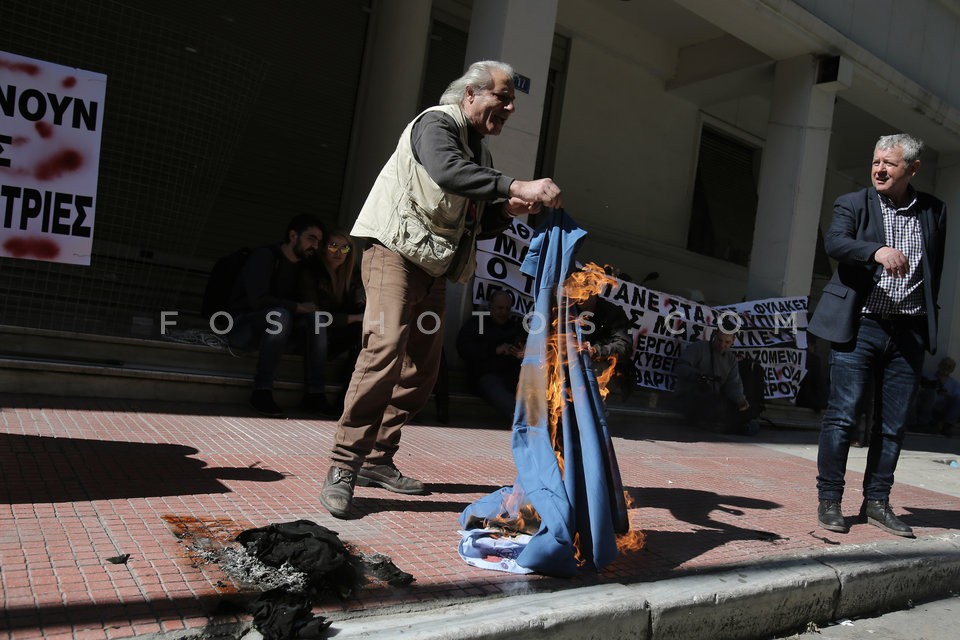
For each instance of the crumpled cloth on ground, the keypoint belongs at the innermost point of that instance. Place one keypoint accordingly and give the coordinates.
(489, 549)
(281, 615)
(329, 566)
(308, 547)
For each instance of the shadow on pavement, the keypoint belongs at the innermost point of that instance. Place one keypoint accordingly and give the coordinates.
(696, 507)
(941, 518)
(224, 606)
(366, 505)
(38, 469)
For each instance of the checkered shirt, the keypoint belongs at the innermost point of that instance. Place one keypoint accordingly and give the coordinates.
(902, 295)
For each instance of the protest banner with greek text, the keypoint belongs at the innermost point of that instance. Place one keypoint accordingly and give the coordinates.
(771, 331)
(51, 117)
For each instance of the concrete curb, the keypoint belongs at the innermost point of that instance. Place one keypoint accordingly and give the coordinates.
(777, 596)
(889, 576)
(744, 602)
(602, 611)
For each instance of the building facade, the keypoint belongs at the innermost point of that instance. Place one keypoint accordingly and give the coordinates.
(704, 140)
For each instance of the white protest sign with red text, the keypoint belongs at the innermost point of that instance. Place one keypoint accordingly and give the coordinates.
(51, 118)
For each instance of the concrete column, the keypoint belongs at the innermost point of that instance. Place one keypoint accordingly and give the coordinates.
(520, 33)
(389, 94)
(948, 190)
(791, 181)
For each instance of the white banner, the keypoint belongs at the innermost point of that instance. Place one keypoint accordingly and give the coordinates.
(772, 331)
(51, 118)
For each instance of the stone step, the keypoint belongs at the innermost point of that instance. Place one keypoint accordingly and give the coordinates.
(195, 366)
(191, 350)
(60, 377)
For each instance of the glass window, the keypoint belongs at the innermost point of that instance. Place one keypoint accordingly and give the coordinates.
(724, 205)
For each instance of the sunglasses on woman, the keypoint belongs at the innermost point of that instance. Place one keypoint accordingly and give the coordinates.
(333, 247)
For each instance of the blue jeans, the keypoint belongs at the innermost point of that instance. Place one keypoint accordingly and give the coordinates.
(278, 331)
(893, 351)
(500, 390)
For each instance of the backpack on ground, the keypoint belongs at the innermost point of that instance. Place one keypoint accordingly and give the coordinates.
(223, 275)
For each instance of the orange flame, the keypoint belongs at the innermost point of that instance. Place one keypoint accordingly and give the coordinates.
(514, 501)
(631, 542)
(577, 551)
(579, 287)
(555, 389)
(603, 380)
(586, 282)
(517, 515)
(527, 521)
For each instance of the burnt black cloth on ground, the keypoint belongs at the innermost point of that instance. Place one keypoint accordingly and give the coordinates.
(281, 615)
(308, 547)
(329, 566)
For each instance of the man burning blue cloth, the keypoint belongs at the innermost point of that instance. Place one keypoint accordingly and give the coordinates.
(567, 505)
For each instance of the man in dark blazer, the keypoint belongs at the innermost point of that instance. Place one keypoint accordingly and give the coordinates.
(879, 311)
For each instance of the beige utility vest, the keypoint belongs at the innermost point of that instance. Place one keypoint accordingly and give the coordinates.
(410, 214)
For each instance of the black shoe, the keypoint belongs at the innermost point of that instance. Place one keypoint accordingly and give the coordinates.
(337, 492)
(830, 516)
(387, 476)
(879, 514)
(316, 403)
(262, 402)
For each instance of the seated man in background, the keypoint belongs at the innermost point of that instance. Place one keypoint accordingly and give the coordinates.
(938, 400)
(606, 336)
(268, 314)
(709, 388)
(491, 344)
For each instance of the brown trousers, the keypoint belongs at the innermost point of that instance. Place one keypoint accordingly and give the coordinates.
(399, 360)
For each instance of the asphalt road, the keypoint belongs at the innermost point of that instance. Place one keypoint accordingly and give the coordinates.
(938, 620)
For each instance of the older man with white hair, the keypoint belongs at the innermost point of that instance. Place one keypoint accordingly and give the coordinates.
(436, 194)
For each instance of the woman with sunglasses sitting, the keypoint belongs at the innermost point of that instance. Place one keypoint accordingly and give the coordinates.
(333, 284)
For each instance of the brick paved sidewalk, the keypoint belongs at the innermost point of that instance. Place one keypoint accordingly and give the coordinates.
(84, 481)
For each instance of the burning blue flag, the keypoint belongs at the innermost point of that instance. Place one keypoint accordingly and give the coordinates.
(567, 504)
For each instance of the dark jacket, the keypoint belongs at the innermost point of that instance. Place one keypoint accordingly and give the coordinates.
(478, 348)
(607, 330)
(316, 287)
(854, 237)
(268, 280)
(701, 359)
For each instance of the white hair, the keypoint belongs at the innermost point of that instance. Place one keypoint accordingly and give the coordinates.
(910, 146)
(479, 76)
